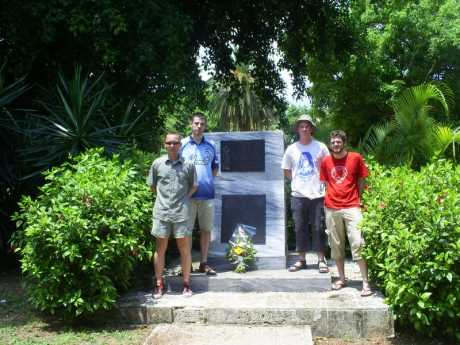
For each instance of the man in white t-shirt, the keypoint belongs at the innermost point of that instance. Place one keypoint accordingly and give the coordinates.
(301, 163)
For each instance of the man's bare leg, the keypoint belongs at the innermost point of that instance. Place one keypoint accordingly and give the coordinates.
(366, 291)
(340, 263)
(205, 237)
(183, 244)
(159, 259)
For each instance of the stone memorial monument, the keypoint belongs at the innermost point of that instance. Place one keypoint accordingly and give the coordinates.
(250, 190)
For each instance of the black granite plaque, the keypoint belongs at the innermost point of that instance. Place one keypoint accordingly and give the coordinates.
(244, 209)
(242, 155)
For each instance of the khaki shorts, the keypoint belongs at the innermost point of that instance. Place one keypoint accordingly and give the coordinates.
(163, 229)
(204, 211)
(340, 221)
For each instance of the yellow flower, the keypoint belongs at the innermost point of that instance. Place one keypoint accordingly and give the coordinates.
(238, 250)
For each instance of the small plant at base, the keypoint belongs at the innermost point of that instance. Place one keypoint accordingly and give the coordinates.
(241, 252)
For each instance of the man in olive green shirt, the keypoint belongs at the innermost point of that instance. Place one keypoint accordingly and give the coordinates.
(174, 181)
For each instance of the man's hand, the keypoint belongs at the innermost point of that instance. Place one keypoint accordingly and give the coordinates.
(193, 190)
(288, 173)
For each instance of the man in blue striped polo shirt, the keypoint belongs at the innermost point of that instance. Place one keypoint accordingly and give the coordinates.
(203, 154)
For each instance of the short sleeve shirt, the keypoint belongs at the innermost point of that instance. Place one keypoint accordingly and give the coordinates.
(341, 177)
(173, 181)
(304, 162)
(204, 157)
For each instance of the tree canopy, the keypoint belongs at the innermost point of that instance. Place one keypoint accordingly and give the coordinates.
(398, 44)
(150, 48)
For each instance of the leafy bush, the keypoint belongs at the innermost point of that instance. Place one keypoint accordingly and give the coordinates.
(82, 236)
(412, 232)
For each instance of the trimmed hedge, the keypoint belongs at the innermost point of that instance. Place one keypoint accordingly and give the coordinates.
(412, 231)
(80, 239)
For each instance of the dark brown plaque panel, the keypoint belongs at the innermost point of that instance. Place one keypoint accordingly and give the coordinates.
(242, 155)
(244, 209)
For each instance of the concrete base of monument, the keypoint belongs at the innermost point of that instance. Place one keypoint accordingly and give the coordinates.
(266, 298)
(265, 275)
(308, 280)
(261, 263)
(339, 314)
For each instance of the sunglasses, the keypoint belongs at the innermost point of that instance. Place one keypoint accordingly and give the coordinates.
(172, 142)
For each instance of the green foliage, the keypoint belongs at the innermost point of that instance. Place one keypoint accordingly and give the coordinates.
(398, 44)
(238, 107)
(9, 167)
(81, 237)
(412, 135)
(74, 116)
(412, 232)
(149, 48)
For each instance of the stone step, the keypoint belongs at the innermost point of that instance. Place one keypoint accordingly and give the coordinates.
(309, 280)
(264, 280)
(340, 314)
(193, 334)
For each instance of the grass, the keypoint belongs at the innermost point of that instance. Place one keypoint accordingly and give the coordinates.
(21, 325)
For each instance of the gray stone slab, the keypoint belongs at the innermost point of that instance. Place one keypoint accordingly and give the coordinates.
(342, 314)
(269, 183)
(256, 281)
(187, 334)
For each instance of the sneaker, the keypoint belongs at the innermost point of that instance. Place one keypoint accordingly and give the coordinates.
(205, 268)
(187, 291)
(158, 291)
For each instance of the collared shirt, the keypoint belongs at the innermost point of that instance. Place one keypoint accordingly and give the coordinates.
(173, 181)
(203, 156)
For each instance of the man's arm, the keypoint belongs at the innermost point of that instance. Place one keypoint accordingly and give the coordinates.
(192, 190)
(288, 173)
(152, 178)
(193, 181)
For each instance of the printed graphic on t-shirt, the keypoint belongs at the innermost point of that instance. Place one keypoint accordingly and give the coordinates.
(202, 157)
(306, 166)
(339, 173)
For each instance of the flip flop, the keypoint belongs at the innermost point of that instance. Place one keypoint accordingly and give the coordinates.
(322, 266)
(366, 292)
(299, 265)
(338, 285)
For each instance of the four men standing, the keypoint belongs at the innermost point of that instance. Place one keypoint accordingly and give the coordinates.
(184, 183)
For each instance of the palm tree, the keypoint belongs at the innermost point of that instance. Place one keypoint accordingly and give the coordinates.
(237, 106)
(411, 135)
(74, 118)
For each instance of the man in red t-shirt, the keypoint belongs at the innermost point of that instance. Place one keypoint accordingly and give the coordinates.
(343, 173)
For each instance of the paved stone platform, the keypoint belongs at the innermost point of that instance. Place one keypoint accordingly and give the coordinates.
(342, 314)
(192, 334)
(276, 298)
(256, 281)
(265, 280)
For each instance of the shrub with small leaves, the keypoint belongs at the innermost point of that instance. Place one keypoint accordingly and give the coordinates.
(412, 231)
(81, 237)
